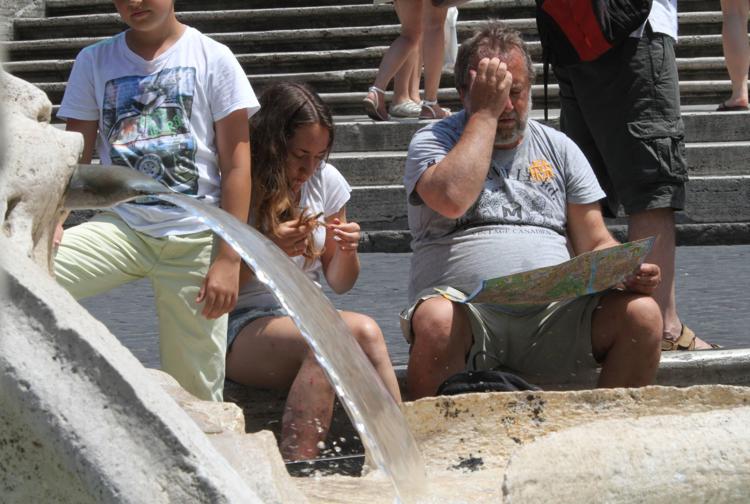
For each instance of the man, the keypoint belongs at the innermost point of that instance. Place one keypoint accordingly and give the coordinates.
(623, 111)
(492, 193)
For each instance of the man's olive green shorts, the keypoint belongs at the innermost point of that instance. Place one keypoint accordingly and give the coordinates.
(541, 343)
(105, 252)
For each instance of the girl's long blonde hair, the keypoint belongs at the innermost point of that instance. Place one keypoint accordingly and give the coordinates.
(283, 108)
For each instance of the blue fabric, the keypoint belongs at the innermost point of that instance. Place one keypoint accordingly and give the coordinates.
(241, 317)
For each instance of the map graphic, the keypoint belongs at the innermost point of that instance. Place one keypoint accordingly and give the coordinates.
(585, 274)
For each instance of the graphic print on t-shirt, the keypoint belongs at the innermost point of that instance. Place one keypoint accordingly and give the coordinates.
(516, 193)
(146, 120)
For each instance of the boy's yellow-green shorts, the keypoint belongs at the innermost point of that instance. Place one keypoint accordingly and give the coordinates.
(105, 252)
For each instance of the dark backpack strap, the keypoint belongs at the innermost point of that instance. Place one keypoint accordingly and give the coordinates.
(546, 81)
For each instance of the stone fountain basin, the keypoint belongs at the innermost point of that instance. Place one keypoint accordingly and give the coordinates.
(651, 444)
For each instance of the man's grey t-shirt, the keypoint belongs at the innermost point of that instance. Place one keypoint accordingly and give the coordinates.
(518, 222)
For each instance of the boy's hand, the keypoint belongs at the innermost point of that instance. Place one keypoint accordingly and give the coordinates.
(489, 88)
(220, 287)
(645, 279)
(345, 234)
(292, 238)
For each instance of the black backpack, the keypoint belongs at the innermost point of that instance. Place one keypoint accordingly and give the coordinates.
(491, 380)
(575, 31)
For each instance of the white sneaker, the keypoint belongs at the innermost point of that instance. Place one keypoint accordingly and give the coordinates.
(406, 110)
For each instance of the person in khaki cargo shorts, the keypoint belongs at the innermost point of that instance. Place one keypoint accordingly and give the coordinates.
(623, 111)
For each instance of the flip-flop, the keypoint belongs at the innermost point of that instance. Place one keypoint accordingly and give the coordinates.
(723, 107)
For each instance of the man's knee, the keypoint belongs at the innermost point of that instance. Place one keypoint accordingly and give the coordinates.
(433, 321)
(644, 321)
(627, 318)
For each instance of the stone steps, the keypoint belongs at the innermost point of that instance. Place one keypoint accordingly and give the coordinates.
(699, 36)
(331, 80)
(343, 34)
(67, 7)
(337, 47)
(356, 134)
(710, 199)
(387, 167)
(350, 102)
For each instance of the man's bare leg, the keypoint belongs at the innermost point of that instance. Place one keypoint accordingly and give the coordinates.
(442, 338)
(626, 331)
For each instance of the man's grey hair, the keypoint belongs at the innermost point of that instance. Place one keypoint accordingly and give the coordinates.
(493, 39)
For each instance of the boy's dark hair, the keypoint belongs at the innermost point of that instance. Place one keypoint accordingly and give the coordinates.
(493, 39)
(284, 107)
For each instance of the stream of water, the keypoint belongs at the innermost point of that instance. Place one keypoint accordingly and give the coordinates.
(374, 413)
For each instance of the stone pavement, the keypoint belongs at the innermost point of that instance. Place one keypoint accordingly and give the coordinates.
(711, 297)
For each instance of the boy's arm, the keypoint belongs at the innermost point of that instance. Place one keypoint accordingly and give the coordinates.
(220, 287)
(88, 129)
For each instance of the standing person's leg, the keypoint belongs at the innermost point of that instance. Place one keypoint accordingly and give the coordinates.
(736, 50)
(99, 255)
(433, 47)
(660, 222)
(399, 51)
(415, 77)
(643, 153)
(192, 347)
(405, 90)
(403, 104)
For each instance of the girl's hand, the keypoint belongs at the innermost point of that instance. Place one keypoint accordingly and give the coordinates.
(645, 279)
(346, 235)
(292, 237)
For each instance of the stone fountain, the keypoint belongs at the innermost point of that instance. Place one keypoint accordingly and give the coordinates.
(81, 420)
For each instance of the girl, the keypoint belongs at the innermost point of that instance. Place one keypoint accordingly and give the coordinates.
(298, 201)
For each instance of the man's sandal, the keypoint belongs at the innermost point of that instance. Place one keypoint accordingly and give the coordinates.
(372, 107)
(433, 111)
(686, 341)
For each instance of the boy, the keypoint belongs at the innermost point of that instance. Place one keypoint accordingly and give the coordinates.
(168, 101)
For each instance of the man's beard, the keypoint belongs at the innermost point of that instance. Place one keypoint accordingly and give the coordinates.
(514, 134)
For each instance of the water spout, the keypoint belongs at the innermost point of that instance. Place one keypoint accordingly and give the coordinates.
(99, 186)
(374, 413)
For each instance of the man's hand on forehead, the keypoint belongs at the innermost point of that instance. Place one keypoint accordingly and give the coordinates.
(489, 87)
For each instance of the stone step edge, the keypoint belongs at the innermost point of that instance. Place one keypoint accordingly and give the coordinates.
(676, 369)
(701, 63)
(233, 37)
(735, 233)
(695, 87)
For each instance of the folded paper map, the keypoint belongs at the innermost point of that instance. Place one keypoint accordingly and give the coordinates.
(585, 274)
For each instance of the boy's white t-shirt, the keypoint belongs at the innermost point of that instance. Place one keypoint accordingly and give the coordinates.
(327, 191)
(158, 117)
